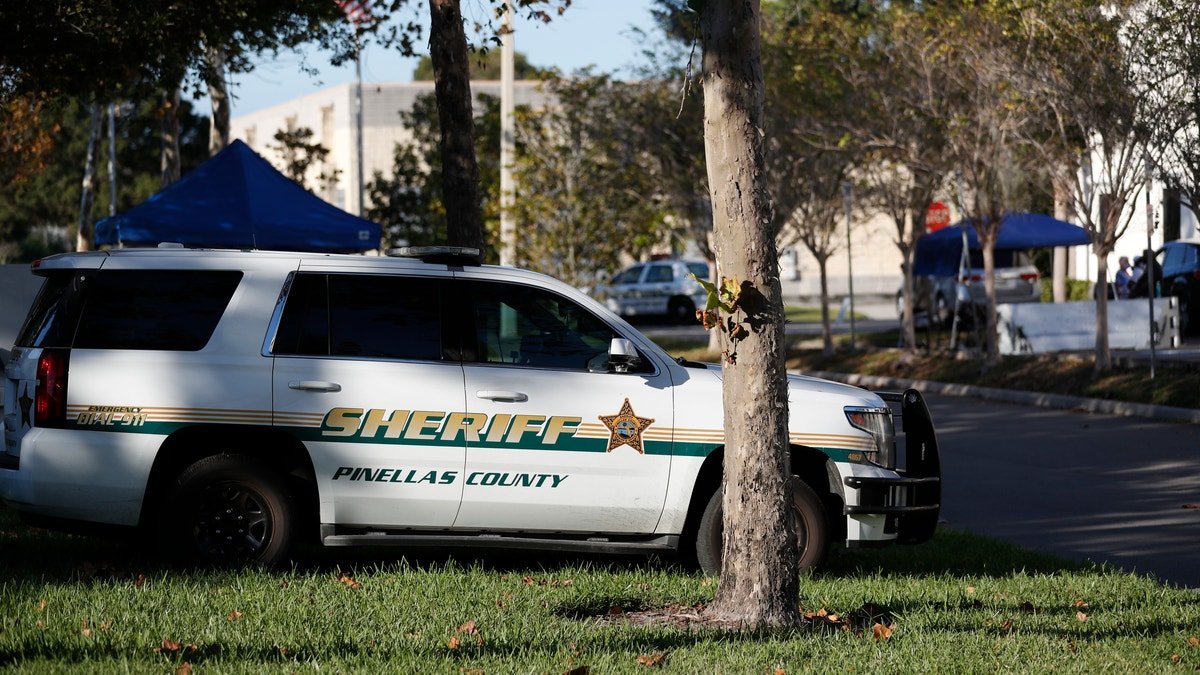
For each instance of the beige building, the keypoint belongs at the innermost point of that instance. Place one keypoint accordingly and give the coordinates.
(330, 114)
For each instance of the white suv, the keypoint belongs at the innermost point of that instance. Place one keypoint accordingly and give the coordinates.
(230, 404)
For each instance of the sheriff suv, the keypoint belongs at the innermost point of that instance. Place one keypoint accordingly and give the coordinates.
(229, 405)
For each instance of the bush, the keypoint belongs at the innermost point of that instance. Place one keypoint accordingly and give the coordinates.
(1077, 289)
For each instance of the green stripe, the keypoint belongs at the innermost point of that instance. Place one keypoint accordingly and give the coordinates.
(565, 443)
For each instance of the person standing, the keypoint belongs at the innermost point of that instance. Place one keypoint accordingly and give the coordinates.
(1124, 278)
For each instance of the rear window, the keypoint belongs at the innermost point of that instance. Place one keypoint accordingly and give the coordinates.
(369, 316)
(172, 310)
(699, 269)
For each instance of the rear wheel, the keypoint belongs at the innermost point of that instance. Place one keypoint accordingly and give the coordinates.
(812, 530)
(228, 510)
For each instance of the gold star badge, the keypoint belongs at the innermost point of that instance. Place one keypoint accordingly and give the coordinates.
(626, 428)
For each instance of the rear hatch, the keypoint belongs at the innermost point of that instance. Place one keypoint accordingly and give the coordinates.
(43, 342)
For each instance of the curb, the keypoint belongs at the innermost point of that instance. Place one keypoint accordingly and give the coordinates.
(1029, 398)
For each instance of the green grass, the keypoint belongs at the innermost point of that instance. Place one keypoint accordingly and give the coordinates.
(808, 314)
(961, 604)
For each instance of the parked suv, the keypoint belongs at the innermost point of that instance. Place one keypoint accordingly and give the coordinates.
(1016, 281)
(661, 287)
(230, 404)
(1181, 278)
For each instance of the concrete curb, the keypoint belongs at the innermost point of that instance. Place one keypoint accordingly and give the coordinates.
(1155, 412)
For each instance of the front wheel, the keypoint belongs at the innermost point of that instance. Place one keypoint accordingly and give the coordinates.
(812, 530)
(228, 510)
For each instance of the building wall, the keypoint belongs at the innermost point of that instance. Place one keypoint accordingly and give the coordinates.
(330, 114)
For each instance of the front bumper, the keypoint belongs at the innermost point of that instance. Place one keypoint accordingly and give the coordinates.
(911, 502)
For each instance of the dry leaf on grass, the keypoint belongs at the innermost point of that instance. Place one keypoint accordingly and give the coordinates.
(468, 628)
(1194, 641)
(139, 581)
(453, 642)
(970, 589)
(184, 668)
(233, 615)
(652, 660)
(1079, 603)
(349, 581)
(1006, 626)
(882, 632)
(1081, 617)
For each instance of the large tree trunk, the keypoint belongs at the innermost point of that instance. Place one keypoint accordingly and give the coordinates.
(452, 88)
(991, 353)
(87, 198)
(759, 584)
(1062, 211)
(218, 93)
(170, 137)
(908, 292)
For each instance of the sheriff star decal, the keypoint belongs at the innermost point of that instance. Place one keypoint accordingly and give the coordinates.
(625, 428)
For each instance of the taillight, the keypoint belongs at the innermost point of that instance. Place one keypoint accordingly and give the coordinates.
(1030, 276)
(971, 278)
(50, 396)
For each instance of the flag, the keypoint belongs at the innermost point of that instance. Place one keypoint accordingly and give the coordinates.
(357, 11)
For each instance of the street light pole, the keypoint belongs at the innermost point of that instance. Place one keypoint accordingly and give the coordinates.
(848, 199)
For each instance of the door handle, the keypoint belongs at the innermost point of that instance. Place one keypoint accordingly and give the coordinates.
(315, 385)
(506, 396)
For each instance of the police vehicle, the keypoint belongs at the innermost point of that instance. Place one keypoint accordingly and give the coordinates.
(232, 404)
(662, 287)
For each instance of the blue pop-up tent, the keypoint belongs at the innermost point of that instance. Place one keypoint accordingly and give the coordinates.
(238, 200)
(939, 253)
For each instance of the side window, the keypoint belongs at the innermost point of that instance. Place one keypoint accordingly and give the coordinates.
(152, 309)
(660, 274)
(699, 269)
(361, 315)
(629, 276)
(533, 327)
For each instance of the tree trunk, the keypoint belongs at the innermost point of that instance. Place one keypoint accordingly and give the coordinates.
(991, 344)
(218, 93)
(1103, 355)
(826, 328)
(452, 88)
(87, 198)
(759, 584)
(1062, 208)
(909, 294)
(170, 137)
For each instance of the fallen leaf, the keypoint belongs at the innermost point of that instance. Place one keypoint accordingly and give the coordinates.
(882, 632)
(527, 580)
(471, 671)
(780, 671)
(141, 581)
(1007, 626)
(707, 582)
(184, 668)
(85, 628)
(284, 584)
(169, 645)
(970, 589)
(1175, 658)
(452, 643)
(107, 625)
(1079, 603)
(1080, 616)
(283, 651)
(1194, 641)
(567, 582)
(233, 615)
(468, 628)
(42, 605)
(349, 581)
(652, 660)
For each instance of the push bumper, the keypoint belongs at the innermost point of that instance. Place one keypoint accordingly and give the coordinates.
(912, 501)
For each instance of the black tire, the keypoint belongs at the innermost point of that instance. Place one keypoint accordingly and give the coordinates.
(681, 310)
(228, 510)
(812, 530)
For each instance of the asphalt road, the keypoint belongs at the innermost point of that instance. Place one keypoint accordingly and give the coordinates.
(1082, 486)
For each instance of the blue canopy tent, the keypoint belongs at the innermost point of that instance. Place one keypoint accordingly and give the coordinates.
(238, 200)
(939, 253)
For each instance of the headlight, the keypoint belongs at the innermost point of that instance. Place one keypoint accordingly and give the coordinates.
(878, 423)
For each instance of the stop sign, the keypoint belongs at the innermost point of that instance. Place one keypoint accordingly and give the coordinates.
(937, 217)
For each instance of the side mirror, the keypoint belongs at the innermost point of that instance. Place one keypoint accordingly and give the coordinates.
(622, 355)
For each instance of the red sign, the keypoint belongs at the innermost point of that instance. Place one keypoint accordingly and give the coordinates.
(937, 217)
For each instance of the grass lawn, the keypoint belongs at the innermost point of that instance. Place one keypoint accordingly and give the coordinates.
(960, 604)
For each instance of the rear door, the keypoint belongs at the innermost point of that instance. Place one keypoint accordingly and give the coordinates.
(364, 377)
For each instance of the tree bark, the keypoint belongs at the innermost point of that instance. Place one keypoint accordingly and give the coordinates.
(1062, 208)
(908, 292)
(452, 88)
(170, 137)
(218, 93)
(87, 198)
(826, 328)
(1103, 354)
(759, 585)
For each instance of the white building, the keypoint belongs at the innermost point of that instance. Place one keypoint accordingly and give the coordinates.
(330, 114)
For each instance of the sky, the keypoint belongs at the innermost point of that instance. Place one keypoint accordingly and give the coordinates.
(591, 32)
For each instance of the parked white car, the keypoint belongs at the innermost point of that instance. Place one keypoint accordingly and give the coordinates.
(660, 287)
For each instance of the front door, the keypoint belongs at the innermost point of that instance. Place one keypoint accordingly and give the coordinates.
(567, 445)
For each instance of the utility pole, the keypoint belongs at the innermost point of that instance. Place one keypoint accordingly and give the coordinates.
(848, 202)
(112, 159)
(508, 229)
(1148, 258)
(358, 112)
